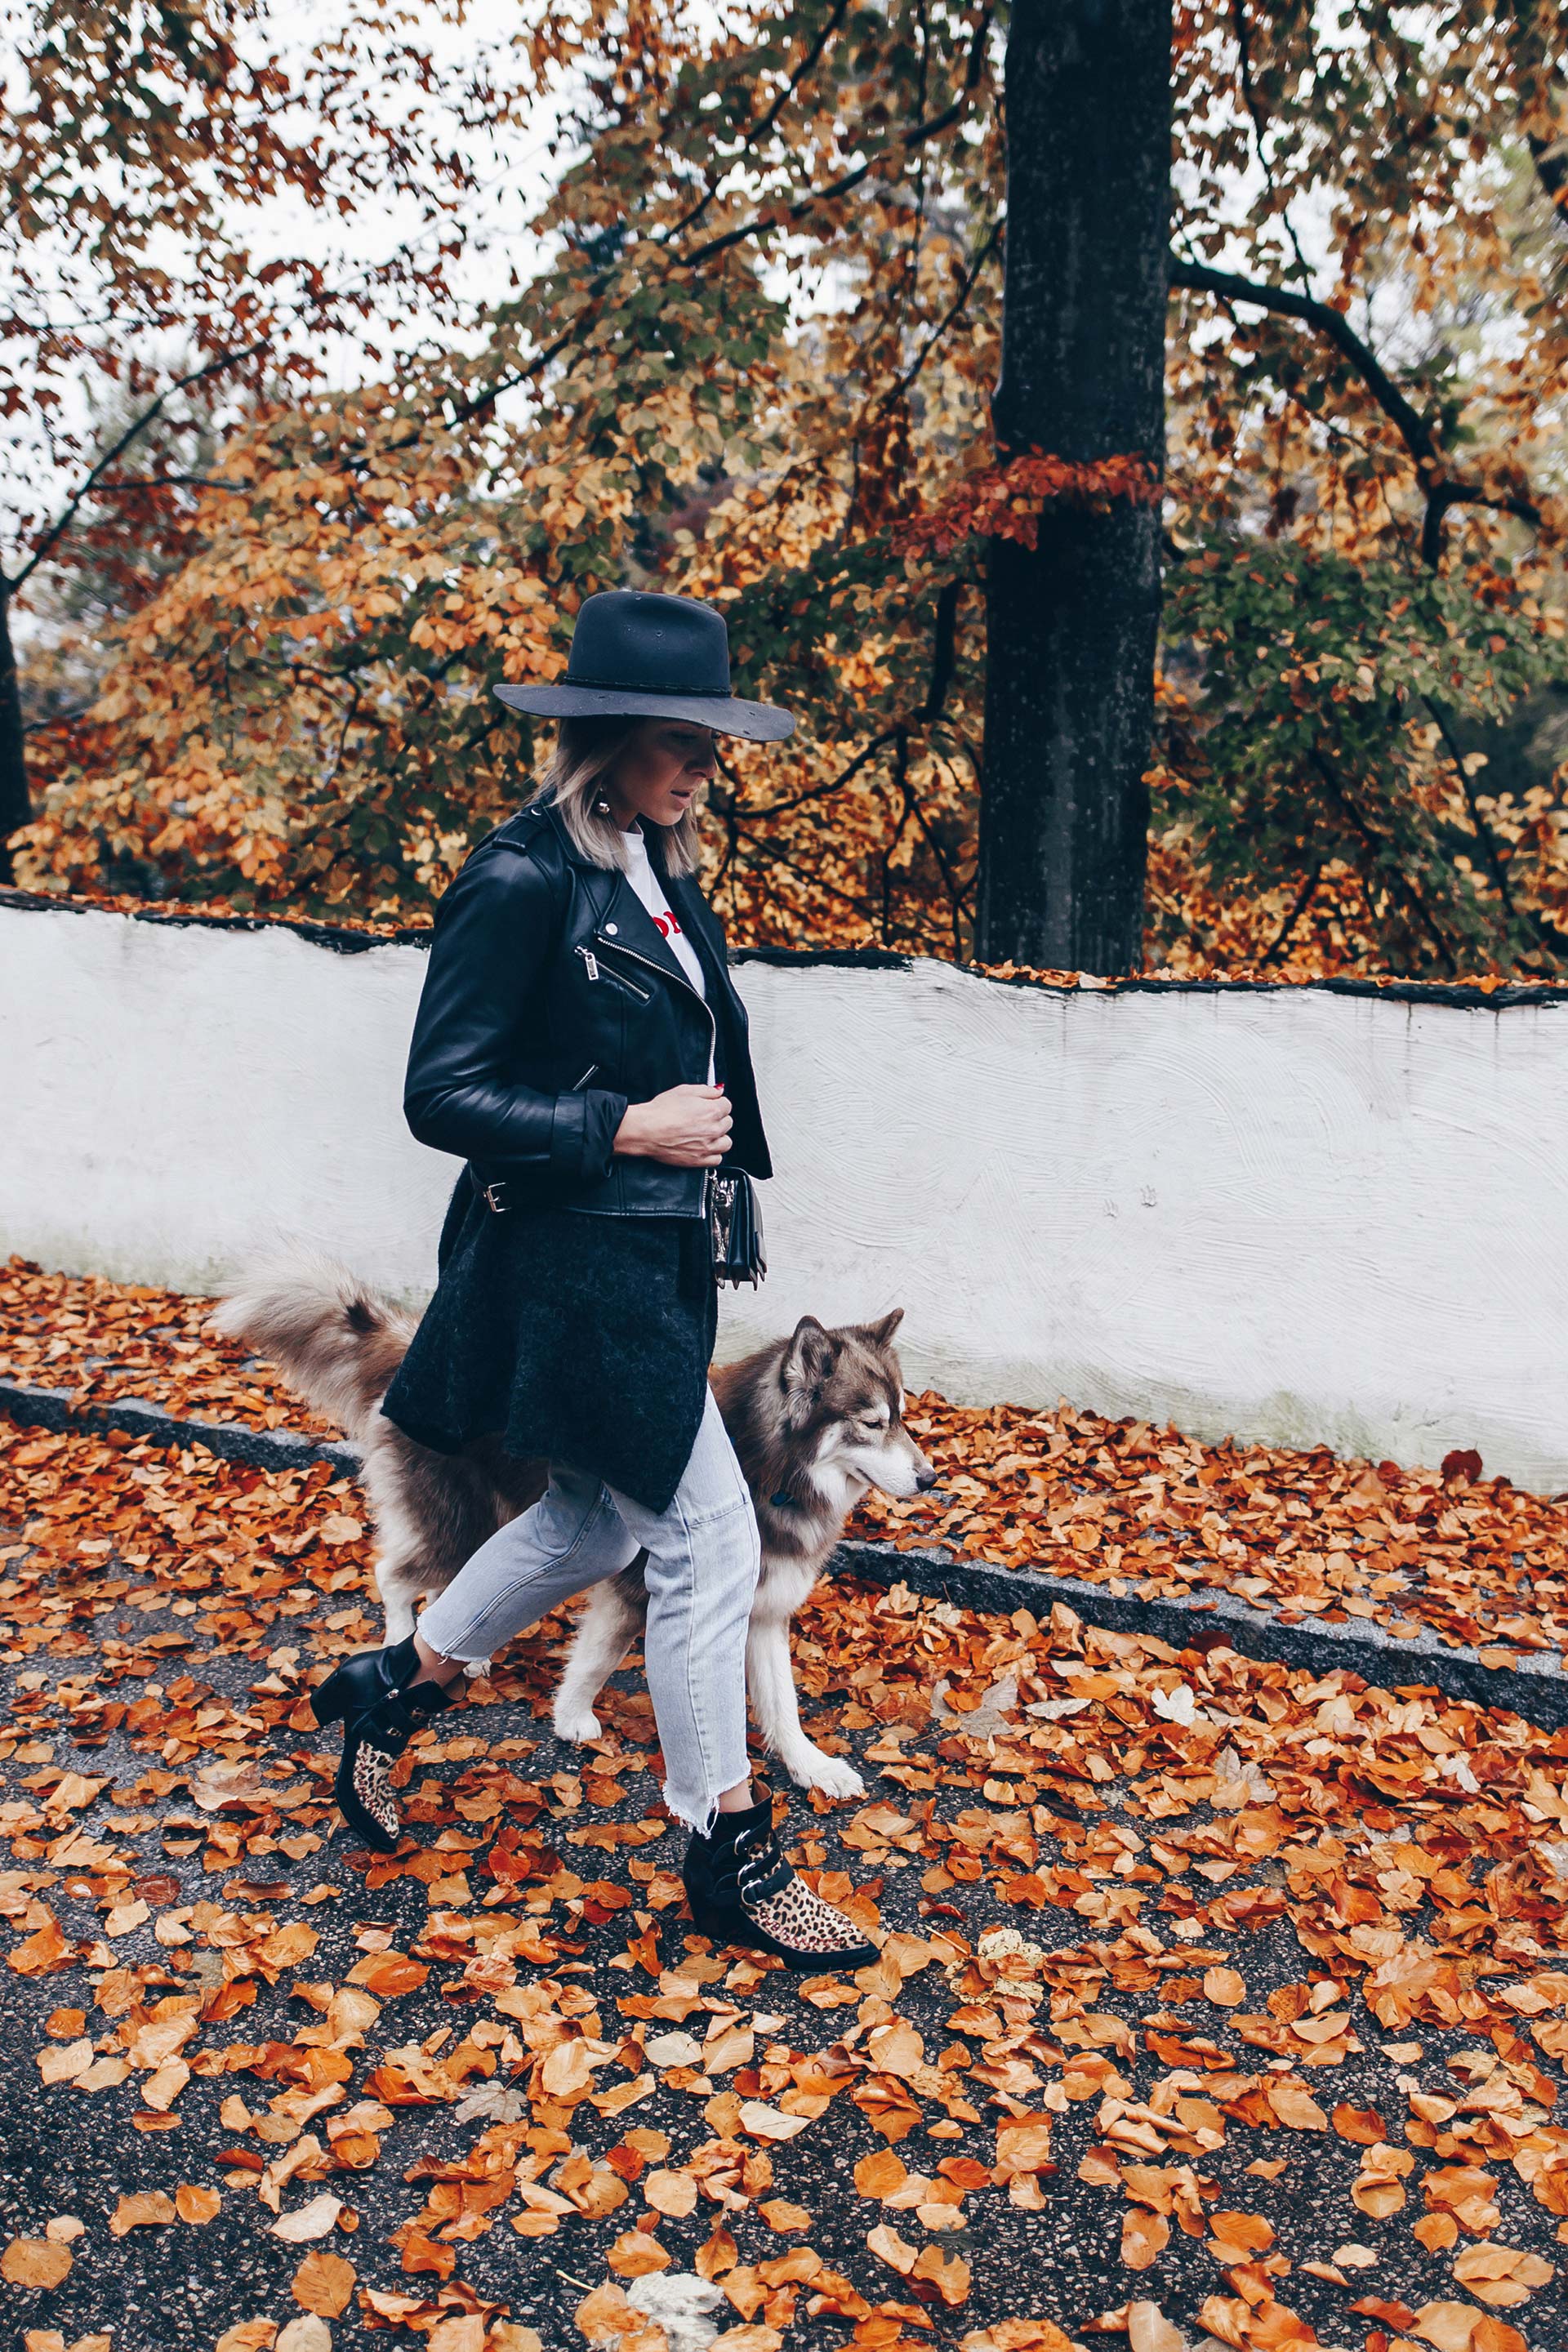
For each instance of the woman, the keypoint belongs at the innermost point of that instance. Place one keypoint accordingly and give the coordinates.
(580, 1045)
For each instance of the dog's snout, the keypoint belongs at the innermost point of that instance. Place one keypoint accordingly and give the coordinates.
(924, 1478)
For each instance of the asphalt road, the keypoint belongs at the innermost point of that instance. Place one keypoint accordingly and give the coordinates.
(70, 2153)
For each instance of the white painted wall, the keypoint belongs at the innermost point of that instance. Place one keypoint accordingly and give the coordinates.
(1297, 1216)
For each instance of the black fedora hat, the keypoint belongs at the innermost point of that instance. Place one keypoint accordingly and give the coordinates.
(651, 657)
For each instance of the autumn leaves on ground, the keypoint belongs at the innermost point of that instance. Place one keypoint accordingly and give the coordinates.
(1215, 2003)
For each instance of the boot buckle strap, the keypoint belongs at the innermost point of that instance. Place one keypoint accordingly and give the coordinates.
(396, 1718)
(762, 1873)
(391, 1720)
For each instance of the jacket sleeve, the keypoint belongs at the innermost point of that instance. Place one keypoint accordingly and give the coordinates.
(475, 1024)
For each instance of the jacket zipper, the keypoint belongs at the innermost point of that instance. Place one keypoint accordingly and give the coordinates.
(682, 982)
(710, 1175)
(617, 978)
(584, 1080)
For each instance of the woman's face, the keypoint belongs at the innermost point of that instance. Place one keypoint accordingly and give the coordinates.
(659, 773)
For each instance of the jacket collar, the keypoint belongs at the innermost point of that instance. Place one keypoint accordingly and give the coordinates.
(615, 899)
(569, 849)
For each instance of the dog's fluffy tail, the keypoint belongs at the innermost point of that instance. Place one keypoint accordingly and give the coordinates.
(335, 1342)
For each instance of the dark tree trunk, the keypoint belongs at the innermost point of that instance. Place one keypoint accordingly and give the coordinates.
(16, 807)
(1071, 623)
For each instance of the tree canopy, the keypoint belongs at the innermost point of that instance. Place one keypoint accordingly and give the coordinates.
(749, 357)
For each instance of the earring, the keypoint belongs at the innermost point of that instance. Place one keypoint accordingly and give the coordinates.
(603, 806)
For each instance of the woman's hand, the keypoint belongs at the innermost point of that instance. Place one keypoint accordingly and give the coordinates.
(688, 1127)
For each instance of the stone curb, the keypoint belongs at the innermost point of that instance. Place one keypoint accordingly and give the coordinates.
(263, 1449)
(1538, 1691)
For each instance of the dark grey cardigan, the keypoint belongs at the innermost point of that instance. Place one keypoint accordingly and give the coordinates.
(581, 1339)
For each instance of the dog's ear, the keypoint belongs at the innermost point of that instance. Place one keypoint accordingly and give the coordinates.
(880, 1332)
(808, 1359)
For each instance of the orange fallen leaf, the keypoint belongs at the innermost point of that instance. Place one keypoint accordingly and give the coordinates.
(885, 2242)
(566, 2073)
(783, 2217)
(463, 2332)
(1023, 2145)
(674, 2193)
(878, 2174)
(1148, 2330)
(144, 2211)
(386, 1974)
(1250, 2233)
(1448, 2327)
(309, 2334)
(65, 2063)
(1296, 2108)
(1377, 2197)
(949, 2274)
(197, 2205)
(325, 2283)
(767, 2123)
(1464, 2191)
(42, 1952)
(1501, 2275)
(605, 2316)
(35, 2261)
(247, 2336)
(635, 2254)
(312, 2219)
(1144, 2237)
(716, 2255)
(1017, 2336)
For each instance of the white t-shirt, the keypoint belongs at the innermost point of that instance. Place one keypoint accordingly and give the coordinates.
(645, 883)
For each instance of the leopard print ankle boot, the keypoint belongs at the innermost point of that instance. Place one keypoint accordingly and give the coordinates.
(376, 1731)
(743, 1890)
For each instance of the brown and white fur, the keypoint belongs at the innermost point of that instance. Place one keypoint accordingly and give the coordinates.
(815, 1418)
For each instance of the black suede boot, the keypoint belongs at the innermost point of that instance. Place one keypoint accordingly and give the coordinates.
(743, 1890)
(381, 1706)
(358, 1681)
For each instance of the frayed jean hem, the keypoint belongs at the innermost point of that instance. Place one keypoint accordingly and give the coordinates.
(689, 1812)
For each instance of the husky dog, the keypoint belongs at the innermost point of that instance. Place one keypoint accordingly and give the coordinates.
(815, 1418)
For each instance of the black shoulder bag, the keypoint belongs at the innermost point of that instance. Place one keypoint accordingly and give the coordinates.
(735, 1227)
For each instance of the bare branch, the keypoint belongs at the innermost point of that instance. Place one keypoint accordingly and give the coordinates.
(1546, 936)
(1385, 861)
(760, 130)
(1413, 428)
(1303, 899)
(1441, 490)
(955, 311)
(1260, 119)
(172, 482)
(91, 481)
(903, 142)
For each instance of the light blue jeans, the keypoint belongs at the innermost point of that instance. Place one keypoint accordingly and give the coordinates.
(704, 1554)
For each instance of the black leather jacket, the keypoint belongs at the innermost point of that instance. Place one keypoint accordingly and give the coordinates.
(552, 1000)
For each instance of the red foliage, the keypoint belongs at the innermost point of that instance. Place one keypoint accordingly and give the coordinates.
(1005, 501)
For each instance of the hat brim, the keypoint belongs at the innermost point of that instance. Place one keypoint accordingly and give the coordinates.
(758, 722)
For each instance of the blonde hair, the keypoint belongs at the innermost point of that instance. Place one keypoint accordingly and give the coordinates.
(585, 751)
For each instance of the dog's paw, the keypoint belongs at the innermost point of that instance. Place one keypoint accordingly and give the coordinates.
(833, 1775)
(576, 1721)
